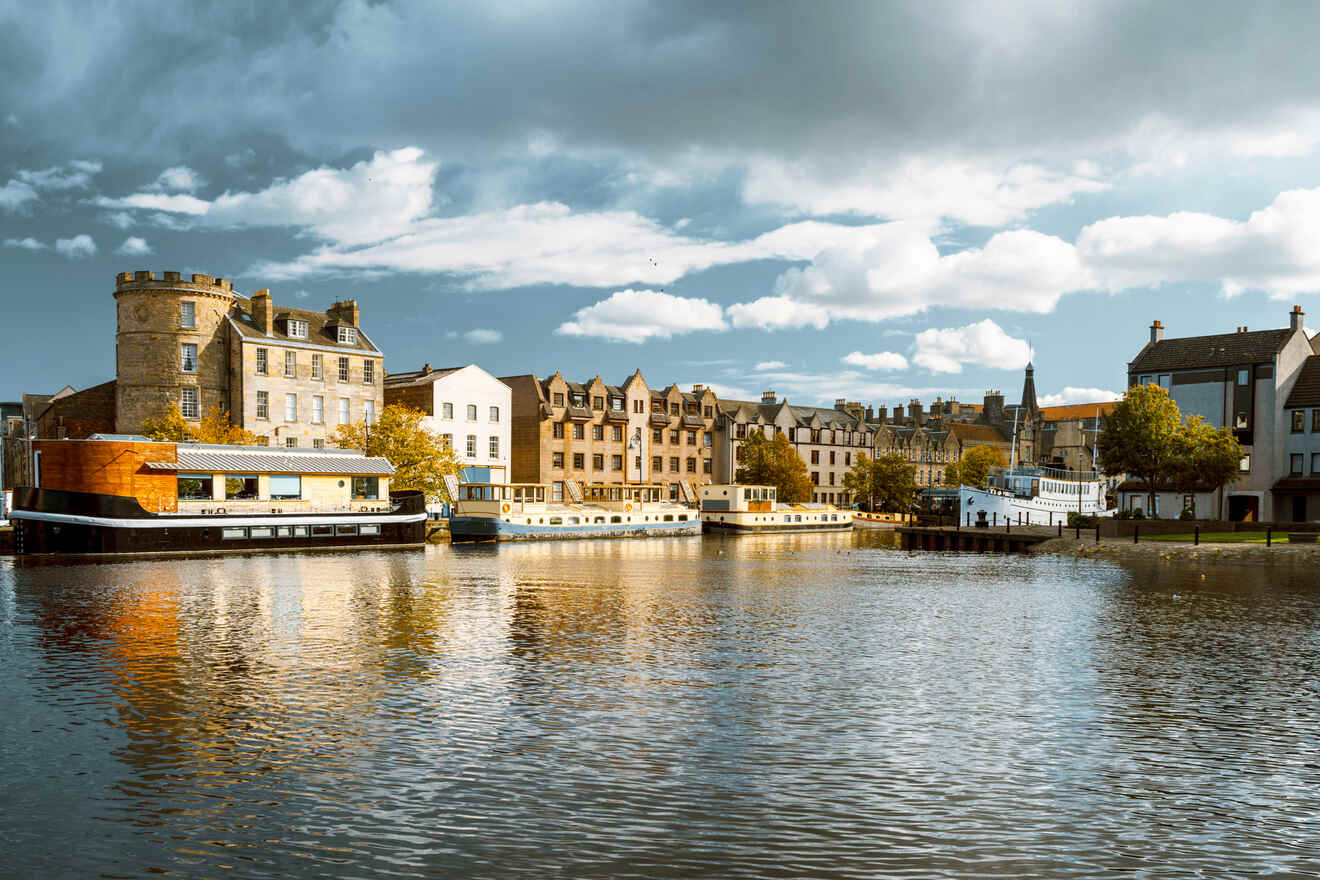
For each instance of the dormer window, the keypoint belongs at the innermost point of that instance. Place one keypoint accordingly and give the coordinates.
(346, 335)
(297, 329)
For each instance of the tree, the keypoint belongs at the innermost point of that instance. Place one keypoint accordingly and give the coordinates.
(974, 466)
(775, 463)
(421, 458)
(888, 483)
(1145, 437)
(214, 427)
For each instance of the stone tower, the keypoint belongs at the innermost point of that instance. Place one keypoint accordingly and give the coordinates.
(158, 320)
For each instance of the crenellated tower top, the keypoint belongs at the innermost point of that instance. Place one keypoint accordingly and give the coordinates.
(201, 284)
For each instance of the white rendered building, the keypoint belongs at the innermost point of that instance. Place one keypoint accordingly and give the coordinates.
(466, 405)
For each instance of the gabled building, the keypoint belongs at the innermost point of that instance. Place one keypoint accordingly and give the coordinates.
(1245, 381)
(468, 407)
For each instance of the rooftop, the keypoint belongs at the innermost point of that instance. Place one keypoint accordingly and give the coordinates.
(1219, 350)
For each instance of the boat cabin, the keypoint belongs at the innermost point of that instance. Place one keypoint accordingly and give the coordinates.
(735, 498)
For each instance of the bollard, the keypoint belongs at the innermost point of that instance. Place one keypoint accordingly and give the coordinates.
(1060, 527)
(1097, 532)
(1196, 536)
(1077, 536)
(1269, 535)
(1136, 534)
(994, 518)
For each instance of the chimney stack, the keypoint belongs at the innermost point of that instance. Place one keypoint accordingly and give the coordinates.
(1157, 332)
(345, 312)
(767, 397)
(870, 414)
(263, 311)
(426, 369)
(1295, 318)
(882, 414)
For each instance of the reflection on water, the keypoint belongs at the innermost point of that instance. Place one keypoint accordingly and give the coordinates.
(816, 705)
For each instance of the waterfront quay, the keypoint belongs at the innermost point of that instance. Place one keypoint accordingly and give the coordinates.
(1005, 539)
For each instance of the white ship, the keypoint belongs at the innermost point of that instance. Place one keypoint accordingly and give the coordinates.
(1033, 496)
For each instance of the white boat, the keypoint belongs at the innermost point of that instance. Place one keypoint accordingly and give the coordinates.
(733, 507)
(520, 512)
(1033, 496)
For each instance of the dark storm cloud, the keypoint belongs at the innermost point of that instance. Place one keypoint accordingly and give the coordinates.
(656, 81)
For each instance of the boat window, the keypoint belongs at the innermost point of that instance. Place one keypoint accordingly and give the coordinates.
(285, 487)
(772, 494)
(682, 517)
(322, 531)
(261, 532)
(346, 530)
(240, 487)
(556, 520)
(599, 519)
(195, 487)
(669, 517)
(573, 520)
(747, 494)
(233, 534)
(369, 530)
(616, 519)
(366, 488)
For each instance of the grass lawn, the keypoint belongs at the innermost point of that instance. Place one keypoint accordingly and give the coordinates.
(1280, 537)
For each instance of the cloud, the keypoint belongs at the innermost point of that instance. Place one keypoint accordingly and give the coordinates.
(483, 336)
(983, 343)
(777, 313)
(175, 204)
(823, 389)
(134, 247)
(179, 178)
(639, 315)
(80, 247)
(15, 194)
(120, 219)
(1071, 394)
(27, 244)
(885, 360)
(27, 184)
(769, 365)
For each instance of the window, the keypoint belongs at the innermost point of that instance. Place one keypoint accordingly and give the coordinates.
(832, 478)
(815, 478)
(263, 441)
(831, 456)
(557, 459)
(577, 400)
(291, 364)
(369, 412)
(471, 412)
(556, 494)
(449, 440)
(1315, 421)
(188, 357)
(638, 406)
(346, 335)
(616, 404)
(285, 487)
(1244, 377)
(1164, 381)
(692, 438)
(705, 465)
(557, 399)
(673, 463)
(616, 462)
(297, 329)
(366, 488)
(598, 403)
(189, 407)
(263, 404)
(705, 439)
(815, 456)
(1295, 464)
(195, 487)
(318, 443)
(188, 315)
(558, 430)
(673, 437)
(471, 445)
(673, 409)
(1244, 464)
(446, 410)
(578, 459)
(597, 432)
(343, 411)
(369, 529)
(1298, 419)
(318, 366)
(291, 442)
(847, 459)
(262, 361)
(657, 435)
(691, 465)
(616, 434)
(343, 369)
(368, 372)
(1315, 463)
(708, 412)
(494, 447)
(290, 407)
(241, 487)
(578, 431)
(637, 463)
(598, 462)
(318, 410)
(495, 414)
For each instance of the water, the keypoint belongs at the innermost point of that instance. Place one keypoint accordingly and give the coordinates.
(785, 706)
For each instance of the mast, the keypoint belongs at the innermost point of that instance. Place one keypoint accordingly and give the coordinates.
(1012, 453)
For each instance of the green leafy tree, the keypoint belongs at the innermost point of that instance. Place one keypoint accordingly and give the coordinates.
(421, 459)
(974, 466)
(887, 483)
(763, 462)
(1146, 437)
(214, 427)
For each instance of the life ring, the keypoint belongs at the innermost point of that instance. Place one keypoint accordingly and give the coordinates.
(627, 508)
(506, 508)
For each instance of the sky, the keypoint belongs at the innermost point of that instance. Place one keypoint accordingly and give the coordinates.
(872, 200)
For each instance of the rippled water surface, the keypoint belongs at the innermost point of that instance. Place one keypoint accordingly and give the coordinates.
(780, 707)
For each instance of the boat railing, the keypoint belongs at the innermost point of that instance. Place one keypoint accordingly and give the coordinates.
(247, 507)
(1041, 472)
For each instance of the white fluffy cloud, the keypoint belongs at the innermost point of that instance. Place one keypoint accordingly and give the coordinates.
(639, 315)
(27, 244)
(778, 313)
(179, 178)
(1071, 394)
(134, 247)
(769, 365)
(885, 360)
(15, 194)
(26, 186)
(983, 343)
(483, 336)
(80, 247)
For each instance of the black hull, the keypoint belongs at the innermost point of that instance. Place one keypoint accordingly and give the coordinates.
(728, 528)
(75, 523)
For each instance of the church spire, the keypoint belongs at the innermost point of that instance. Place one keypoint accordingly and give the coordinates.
(1029, 390)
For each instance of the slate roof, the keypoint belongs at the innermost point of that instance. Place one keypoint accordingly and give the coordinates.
(418, 377)
(747, 411)
(970, 433)
(318, 329)
(239, 460)
(1306, 390)
(1204, 352)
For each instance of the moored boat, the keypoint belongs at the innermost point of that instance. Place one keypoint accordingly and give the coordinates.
(521, 512)
(740, 509)
(1033, 496)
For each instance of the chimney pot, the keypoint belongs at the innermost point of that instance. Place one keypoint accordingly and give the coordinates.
(1295, 318)
(1156, 332)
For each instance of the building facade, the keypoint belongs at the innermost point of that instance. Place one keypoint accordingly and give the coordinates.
(590, 432)
(1244, 381)
(290, 376)
(468, 407)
